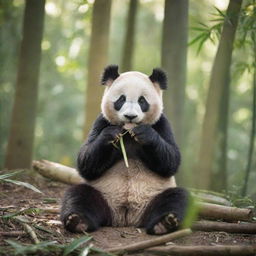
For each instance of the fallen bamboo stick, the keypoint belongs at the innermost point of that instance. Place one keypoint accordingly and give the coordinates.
(209, 198)
(204, 225)
(57, 172)
(227, 213)
(215, 250)
(152, 242)
(12, 233)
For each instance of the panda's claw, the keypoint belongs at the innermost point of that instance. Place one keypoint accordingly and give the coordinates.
(133, 135)
(171, 220)
(159, 229)
(167, 224)
(74, 223)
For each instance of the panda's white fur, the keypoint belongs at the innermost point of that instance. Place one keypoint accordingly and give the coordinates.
(133, 85)
(128, 191)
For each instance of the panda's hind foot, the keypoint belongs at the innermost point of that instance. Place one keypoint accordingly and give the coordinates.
(74, 223)
(166, 225)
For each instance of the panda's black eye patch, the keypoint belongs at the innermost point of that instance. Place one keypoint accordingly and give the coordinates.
(144, 105)
(119, 103)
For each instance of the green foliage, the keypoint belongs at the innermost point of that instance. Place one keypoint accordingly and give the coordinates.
(237, 200)
(192, 212)
(23, 211)
(76, 247)
(75, 244)
(20, 249)
(4, 178)
(211, 32)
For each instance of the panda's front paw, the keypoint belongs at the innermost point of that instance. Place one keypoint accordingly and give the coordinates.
(144, 134)
(111, 133)
(167, 224)
(74, 223)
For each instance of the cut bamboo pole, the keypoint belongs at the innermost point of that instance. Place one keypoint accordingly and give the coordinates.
(220, 212)
(209, 198)
(57, 172)
(204, 225)
(215, 250)
(152, 242)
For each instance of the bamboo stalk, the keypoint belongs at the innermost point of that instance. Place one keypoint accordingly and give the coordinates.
(215, 250)
(220, 212)
(57, 172)
(152, 242)
(246, 228)
(124, 152)
(210, 198)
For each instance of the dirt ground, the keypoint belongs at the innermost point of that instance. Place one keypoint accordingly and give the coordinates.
(26, 203)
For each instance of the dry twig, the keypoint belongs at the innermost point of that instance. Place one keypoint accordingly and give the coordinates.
(152, 242)
(12, 233)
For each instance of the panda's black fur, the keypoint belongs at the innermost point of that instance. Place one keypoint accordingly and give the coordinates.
(85, 208)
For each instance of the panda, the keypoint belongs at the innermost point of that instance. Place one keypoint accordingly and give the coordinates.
(145, 193)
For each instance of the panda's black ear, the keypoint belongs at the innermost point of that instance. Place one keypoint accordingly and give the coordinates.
(159, 76)
(109, 75)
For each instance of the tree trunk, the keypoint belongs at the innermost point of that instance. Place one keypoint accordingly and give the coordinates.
(219, 179)
(218, 81)
(128, 48)
(174, 59)
(21, 137)
(253, 129)
(98, 55)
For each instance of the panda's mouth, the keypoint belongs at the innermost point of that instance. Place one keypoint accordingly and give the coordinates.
(129, 125)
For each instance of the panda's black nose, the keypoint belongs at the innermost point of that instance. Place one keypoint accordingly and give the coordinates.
(130, 117)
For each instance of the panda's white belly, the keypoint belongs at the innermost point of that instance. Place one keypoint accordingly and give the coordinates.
(129, 190)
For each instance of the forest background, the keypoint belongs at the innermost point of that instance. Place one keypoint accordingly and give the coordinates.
(209, 58)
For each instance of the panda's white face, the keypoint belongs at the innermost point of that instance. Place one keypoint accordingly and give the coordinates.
(132, 98)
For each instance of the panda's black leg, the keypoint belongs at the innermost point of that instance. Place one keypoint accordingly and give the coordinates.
(84, 209)
(165, 212)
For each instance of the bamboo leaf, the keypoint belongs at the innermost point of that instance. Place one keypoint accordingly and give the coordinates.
(101, 252)
(204, 25)
(8, 175)
(207, 36)
(24, 184)
(29, 249)
(219, 19)
(199, 29)
(124, 152)
(222, 14)
(25, 211)
(75, 244)
(197, 38)
(44, 229)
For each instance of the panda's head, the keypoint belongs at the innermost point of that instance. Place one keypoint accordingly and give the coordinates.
(132, 97)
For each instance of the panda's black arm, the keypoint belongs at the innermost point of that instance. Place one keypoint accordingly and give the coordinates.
(158, 150)
(97, 154)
